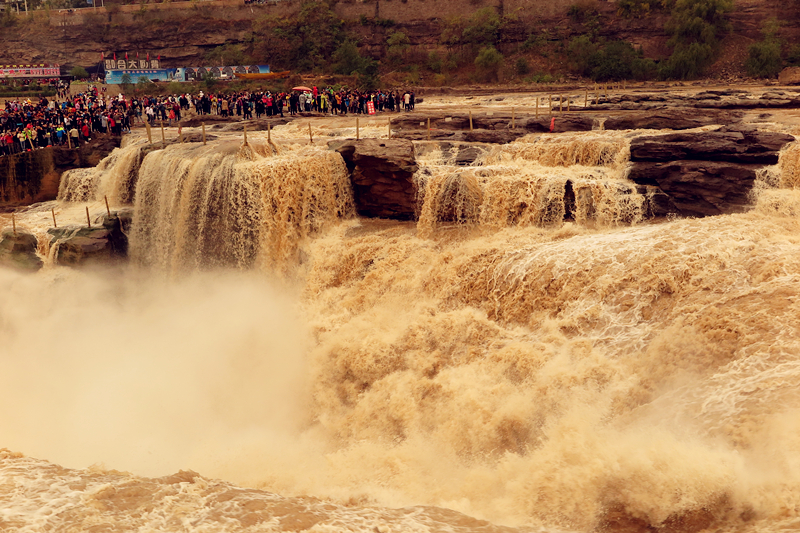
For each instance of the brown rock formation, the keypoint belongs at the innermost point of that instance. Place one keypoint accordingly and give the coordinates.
(18, 251)
(91, 246)
(789, 76)
(382, 173)
(732, 146)
(30, 177)
(709, 173)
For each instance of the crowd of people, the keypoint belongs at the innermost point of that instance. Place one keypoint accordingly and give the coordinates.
(329, 101)
(26, 125)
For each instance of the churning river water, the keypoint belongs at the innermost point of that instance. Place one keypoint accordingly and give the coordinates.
(268, 361)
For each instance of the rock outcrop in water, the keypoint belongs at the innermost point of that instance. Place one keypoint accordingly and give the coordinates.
(382, 173)
(18, 251)
(708, 173)
(83, 246)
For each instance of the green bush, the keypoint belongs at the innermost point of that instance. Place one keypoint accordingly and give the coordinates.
(687, 62)
(696, 27)
(483, 28)
(397, 45)
(522, 67)
(488, 63)
(303, 42)
(347, 60)
(764, 57)
(581, 11)
(613, 61)
(793, 58)
(633, 8)
(435, 63)
(78, 73)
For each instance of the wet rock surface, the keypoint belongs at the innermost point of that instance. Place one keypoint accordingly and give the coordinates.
(382, 174)
(699, 188)
(706, 173)
(84, 246)
(18, 251)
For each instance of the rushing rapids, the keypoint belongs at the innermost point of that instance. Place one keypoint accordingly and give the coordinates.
(493, 360)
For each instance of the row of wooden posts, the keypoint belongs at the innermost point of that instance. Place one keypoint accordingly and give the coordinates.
(55, 224)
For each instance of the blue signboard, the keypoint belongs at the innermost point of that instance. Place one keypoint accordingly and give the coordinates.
(114, 77)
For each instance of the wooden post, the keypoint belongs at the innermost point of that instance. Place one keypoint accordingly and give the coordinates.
(470, 120)
(88, 220)
(568, 103)
(163, 137)
(203, 124)
(149, 133)
(244, 143)
(586, 98)
(14, 223)
(357, 130)
(512, 118)
(550, 102)
(108, 210)
(537, 106)
(560, 103)
(52, 210)
(269, 133)
(69, 141)
(310, 136)
(429, 129)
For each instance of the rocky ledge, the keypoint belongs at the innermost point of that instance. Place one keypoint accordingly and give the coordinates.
(382, 174)
(708, 173)
(30, 177)
(85, 246)
(18, 251)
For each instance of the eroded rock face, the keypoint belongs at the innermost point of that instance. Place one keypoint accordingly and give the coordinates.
(82, 246)
(700, 188)
(382, 173)
(18, 251)
(708, 173)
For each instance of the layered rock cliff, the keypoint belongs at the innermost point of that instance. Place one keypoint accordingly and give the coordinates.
(183, 32)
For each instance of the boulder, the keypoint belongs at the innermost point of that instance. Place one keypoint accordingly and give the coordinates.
(734, 146)
(698, 188)
(382, 173)
(18, 251)
(789, 76)
(81, 246)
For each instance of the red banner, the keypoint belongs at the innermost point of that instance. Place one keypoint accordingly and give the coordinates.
(27, 71)
(370, 108)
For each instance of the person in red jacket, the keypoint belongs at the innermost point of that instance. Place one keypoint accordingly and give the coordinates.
(85, 132)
